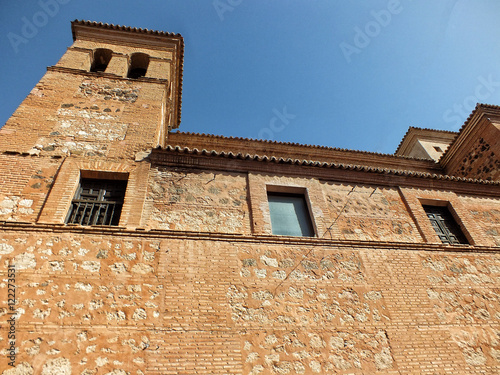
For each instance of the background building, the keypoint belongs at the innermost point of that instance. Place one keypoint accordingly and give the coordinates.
(142, 251)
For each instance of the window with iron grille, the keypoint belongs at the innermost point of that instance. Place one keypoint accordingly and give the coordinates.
(444, 224)
(289, 215)
(97, 202)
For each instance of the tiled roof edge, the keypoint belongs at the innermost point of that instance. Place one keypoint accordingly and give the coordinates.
(125, 28)
(312, 163)
(302, 145)
(425, 129)
(181, 80)
(473, 113)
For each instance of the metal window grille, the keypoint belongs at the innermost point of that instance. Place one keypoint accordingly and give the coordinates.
(289, 215)
(445, 225)
(97, 202)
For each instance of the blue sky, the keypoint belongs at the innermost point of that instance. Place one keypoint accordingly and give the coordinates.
(351, 74)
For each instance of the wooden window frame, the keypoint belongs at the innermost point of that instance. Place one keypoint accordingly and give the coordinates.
(97, 202)
(415, 199)
(445, 225)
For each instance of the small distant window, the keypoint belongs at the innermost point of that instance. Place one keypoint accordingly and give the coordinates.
(101, 59)
(97, 202)
(138, 65)
(445, 225)
(438, 149)
(289, 215)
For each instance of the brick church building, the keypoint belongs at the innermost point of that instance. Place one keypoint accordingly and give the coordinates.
(126, 248)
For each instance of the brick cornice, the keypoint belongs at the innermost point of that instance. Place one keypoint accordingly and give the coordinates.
(258, 239)
(121, 34)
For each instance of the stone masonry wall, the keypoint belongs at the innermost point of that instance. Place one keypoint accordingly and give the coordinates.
(370, 213)
(195, 292)
(200, 202)
(69, 114)
(207, 201)
(84, 304)
(139, 303)
(486, 212)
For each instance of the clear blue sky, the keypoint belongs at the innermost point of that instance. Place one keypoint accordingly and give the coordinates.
(352, 74)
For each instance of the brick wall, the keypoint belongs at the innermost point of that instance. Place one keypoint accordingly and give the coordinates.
(192, 280)
(68, 114)
(104, 301)
(24, 185)
(201, 293)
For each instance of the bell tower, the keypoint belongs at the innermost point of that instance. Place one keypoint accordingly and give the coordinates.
(115, 92)
(85, 131)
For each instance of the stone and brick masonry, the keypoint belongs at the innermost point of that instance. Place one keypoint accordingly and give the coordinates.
(192, 280)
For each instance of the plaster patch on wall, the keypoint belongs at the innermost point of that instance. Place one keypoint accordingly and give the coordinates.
(12, 206)
(5, 248)
(57, 146)
(472, 305)
(25, 261)
(306, 305)
(22, 368)
(480, 347)
(59, 366)
(279, 264)
(461, 270)
(90, 123)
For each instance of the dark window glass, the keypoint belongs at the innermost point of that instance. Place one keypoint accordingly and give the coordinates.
(445, 225)
(289, 215)
(97, 202)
